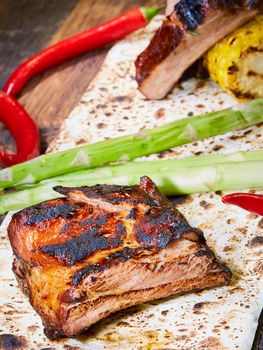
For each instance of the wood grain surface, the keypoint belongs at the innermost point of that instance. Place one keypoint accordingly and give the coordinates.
(26, 26)
(51, 96)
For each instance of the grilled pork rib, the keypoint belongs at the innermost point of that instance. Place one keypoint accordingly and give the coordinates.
(105, 248)
(185, 35)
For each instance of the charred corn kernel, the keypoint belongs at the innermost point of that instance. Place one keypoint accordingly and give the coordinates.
(236, 62)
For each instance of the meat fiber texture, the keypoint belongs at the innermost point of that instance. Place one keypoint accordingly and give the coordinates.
(223, 318)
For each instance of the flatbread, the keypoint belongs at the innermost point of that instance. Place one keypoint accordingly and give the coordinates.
(218, 319)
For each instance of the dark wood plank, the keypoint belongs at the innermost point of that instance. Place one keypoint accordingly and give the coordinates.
(26, 26)
(50, 97)
(56, 93)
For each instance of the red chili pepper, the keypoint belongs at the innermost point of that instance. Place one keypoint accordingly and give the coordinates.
(79, 44)
(23, 129)
(248, 201)
(21, 126)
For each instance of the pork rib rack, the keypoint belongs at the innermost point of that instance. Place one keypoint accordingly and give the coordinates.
(104, 248)
(185, 35)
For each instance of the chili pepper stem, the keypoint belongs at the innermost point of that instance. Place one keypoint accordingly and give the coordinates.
(150, 12)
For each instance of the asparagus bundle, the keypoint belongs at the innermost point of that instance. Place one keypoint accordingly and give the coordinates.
(173, 176)
(132, 146)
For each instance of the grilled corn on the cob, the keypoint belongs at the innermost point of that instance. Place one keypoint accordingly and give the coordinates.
(236, 62)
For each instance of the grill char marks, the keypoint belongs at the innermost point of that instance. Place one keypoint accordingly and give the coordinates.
(112, 194)
(38, 214)
(184, 36)
(192, 12)
(81, 247)
(105, 248)
(158, 229)
(91, 241)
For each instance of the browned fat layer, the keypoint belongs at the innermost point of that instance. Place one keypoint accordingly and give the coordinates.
(79, 248)
(88, 270)
(120, 256)
(211, 279)
(165, 40)
(98, 191)
(113, 194)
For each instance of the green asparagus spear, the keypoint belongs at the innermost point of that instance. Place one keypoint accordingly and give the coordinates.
(151, 166)
(229, 172)
(132, 146)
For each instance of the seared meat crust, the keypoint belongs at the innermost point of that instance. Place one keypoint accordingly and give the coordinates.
(105, 248)
(185, 35)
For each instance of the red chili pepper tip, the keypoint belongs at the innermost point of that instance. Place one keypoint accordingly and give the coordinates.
(247, 201)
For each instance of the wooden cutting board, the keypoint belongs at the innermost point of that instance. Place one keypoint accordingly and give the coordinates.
(51, 96)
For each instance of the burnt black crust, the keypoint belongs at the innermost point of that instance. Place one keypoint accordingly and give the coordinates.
(81, 247)
(191, 13)
(158, 228)
(113, 194)
(160, 225)
(42, 212)
(97, 191)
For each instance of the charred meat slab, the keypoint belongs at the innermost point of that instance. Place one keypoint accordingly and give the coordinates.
(104, 248)
(185, 35)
